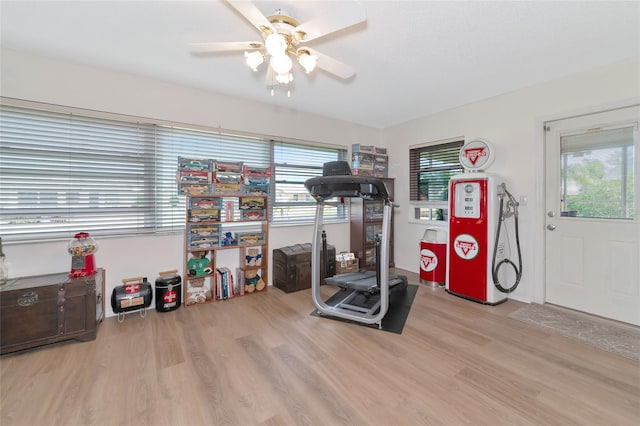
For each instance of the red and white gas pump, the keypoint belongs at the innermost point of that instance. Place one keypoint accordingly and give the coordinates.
(480, 244)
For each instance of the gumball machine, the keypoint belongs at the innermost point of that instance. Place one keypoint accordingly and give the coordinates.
(81, 248)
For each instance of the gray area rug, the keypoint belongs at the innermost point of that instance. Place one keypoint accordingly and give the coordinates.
(605, 334)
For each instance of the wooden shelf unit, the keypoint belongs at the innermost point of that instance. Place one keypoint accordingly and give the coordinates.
(365, 223)
(222, 222)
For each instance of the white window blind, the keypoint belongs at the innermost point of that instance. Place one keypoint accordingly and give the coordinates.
(61, 173)
(294, 164)
(430, 168)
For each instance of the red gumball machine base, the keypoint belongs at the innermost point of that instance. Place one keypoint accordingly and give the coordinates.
(82, 266)
(81, 248)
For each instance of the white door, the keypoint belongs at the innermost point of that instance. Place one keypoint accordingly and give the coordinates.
(592, 221)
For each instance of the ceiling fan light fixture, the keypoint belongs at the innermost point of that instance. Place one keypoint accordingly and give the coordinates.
(276, 44)
(254, 59)
(281, 63)
(307, 60)
(284, 78)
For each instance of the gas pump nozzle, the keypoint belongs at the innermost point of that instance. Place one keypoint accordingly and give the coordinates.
(512, 203)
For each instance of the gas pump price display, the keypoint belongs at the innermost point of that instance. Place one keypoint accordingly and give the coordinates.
(467, 199)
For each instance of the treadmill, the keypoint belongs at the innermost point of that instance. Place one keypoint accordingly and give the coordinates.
(365, 295)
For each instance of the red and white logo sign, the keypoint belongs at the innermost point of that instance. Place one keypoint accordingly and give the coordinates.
(133, 288)
(428, 260)
(472, 154)
(466, 246)
(476, 154)
(170, 296)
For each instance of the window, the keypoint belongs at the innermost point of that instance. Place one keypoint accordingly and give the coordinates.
(597, 172)
(63, 172)
(430, 168)
(173, 142)
(294, 164)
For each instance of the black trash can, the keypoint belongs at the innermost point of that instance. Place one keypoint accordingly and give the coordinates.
(168, 291)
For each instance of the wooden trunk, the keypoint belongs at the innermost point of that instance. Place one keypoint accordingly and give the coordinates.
(46, 309)
(292, 267)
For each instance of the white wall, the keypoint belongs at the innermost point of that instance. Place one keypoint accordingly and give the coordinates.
(513, 123)
(41, 79)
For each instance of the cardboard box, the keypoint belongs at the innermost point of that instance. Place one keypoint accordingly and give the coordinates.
(346, 263)
(369, 149)
(194, 188)
(360, 172)
(362, 161)
(195, 164)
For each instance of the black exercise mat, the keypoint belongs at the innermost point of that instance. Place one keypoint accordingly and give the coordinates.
(395, 318)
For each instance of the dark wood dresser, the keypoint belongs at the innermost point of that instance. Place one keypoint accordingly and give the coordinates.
(46, 309)
(365, 224)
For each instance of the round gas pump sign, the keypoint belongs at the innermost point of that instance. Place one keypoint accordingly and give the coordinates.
(476, 155)
(466, 246)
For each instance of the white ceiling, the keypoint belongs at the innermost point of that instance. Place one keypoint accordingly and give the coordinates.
(412, 58)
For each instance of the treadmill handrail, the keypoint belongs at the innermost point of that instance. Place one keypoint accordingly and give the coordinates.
(325, 187)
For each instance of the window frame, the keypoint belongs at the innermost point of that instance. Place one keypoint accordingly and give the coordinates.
(314, 162)
(437, 209)
(592, 144)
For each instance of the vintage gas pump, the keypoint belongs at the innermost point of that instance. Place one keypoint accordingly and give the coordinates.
(481, 245)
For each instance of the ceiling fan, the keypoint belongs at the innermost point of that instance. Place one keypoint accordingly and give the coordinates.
(284, 38)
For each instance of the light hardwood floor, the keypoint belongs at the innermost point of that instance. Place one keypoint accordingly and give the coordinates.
(263, 360)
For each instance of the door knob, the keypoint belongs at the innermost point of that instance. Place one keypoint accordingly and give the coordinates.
(551, 213)
(551, 227)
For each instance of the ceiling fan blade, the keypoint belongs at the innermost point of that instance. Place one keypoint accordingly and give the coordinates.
(224, 46)
(252, 14)
(332, 65)
(348, 14)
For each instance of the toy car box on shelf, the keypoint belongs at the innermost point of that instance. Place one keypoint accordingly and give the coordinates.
(252, 203)
(362, 161)
(255, 189)
(206, 230)
(369, 149)
(204, 203)
(229, 166)
(194, 188)
(227, 188)
(197, 242)
(134, 294)
(204, 215)
(362, 172)
(244, 238)
(256, 171)
(195, 164)
(253, 215)
(194, 177)
(228, 177)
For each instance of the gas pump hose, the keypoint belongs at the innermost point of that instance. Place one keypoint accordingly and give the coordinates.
(496, 268)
